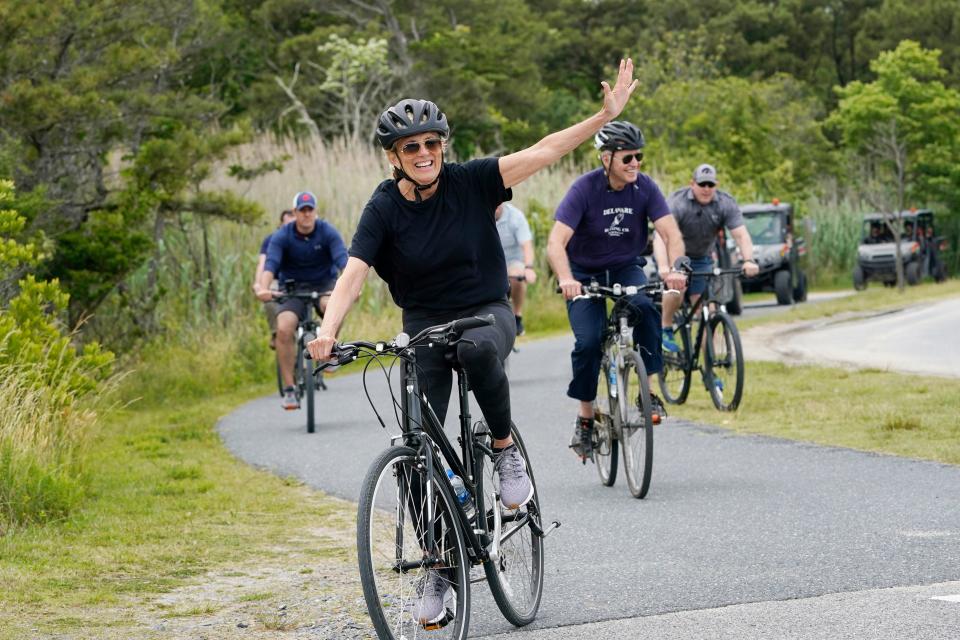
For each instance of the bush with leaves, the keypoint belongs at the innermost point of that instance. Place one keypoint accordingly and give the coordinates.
(44, 419)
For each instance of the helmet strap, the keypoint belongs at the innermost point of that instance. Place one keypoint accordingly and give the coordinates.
(606, 170)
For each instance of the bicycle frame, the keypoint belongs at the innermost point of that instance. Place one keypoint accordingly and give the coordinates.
(701, 310)
(619, 335)
(689, 312)
(423, 432)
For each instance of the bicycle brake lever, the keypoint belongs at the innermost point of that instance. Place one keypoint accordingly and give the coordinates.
(463, 340)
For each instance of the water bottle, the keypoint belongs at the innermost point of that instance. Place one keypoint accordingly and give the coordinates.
(613, 381)
(463, 496)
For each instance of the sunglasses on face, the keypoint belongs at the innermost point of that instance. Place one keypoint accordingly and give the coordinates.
(627, 159)
(413, 148)
(706, 185)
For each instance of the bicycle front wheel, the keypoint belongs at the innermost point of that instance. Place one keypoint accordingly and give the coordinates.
(606, 420)
(724, 363)
(675, 377)
(516, 576)
(397, 519)
(636, 424)
(308, 385)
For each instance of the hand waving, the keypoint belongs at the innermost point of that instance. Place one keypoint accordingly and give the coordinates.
(614, 100)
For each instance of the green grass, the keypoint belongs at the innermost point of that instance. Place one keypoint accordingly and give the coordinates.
(168, 504)
(868, 409)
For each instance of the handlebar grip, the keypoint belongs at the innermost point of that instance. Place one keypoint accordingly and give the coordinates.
(461, 325)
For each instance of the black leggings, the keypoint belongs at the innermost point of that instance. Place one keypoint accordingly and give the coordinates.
(483, 362)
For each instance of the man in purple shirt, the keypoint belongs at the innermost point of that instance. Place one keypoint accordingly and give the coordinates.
(599, 233)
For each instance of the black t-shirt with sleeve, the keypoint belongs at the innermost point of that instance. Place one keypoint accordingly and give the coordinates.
(444, 253)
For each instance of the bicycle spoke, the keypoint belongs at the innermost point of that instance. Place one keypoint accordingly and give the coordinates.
(396, 522)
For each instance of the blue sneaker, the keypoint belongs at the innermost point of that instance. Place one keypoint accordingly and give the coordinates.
(669, 343)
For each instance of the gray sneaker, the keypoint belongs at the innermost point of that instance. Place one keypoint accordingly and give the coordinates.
(515, 486)
(290, 402)
(429, 608)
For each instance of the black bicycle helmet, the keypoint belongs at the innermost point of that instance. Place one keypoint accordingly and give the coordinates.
(410, 117)
(617, 135)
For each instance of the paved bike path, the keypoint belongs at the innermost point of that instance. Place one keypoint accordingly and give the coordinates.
(729, 519)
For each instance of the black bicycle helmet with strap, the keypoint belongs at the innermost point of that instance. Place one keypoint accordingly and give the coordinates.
(618, 135)
(410, 117)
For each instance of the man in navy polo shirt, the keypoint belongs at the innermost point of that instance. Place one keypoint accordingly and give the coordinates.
(312, 254)
(599, 233)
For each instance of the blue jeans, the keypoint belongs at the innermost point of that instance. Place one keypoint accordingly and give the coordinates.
(588, 319)
(698, 284)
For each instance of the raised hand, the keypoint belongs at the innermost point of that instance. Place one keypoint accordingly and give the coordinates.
(614, 100)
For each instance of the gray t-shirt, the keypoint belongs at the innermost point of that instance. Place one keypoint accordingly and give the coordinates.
(699, 223)
(514, 231)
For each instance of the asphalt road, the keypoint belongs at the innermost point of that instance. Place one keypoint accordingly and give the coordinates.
(740, 536)
(920, 339)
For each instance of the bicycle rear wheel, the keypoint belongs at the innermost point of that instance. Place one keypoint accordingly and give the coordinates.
(724, 363)
(637, 424)
(516, 577)
(393, 519)
(675, 377)
(606, 421)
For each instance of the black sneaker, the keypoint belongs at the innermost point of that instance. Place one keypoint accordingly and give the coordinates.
(657, 410)
(520, 329)
(582, 441)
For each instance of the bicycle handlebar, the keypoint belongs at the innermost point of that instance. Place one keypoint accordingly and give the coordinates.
(301, 295)
(716, 271)
(441, 334)
(594, 290)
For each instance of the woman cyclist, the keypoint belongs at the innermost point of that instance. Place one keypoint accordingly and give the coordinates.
(431, 234)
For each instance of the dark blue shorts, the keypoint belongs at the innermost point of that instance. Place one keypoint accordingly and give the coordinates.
(698, 284)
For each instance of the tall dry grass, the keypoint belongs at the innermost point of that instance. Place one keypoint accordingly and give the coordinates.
(42, 439)
(343, 176)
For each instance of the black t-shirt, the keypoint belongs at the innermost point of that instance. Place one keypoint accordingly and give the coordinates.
(444, 253)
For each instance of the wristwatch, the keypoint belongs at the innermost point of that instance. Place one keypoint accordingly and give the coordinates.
(528, 266)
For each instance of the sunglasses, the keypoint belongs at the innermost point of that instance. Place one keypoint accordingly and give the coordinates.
(627, 159)
(706, 185)
(413, 148)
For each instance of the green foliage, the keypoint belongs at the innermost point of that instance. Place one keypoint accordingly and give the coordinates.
(44, 379)
(13, 250)
(763, 137)
(908, 124)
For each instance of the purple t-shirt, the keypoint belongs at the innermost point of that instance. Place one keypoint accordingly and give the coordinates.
(609, 227)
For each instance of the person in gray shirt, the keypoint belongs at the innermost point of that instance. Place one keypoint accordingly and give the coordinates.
(701, 210)
(517, 244)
